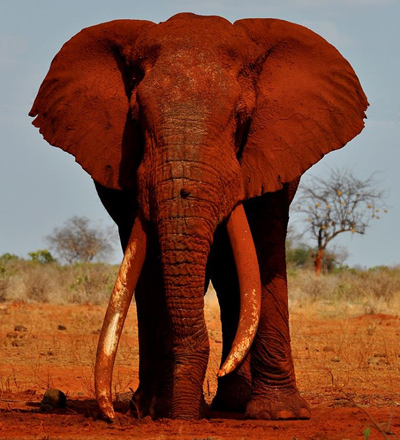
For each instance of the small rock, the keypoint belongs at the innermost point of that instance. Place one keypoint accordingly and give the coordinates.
(16, 343)
(53, 399)
(335, 359)
(62, 327)
(20, 328)
(373, 361)
(12, 335)
(327, 348)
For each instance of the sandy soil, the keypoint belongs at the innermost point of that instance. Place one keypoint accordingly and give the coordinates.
(347, 368)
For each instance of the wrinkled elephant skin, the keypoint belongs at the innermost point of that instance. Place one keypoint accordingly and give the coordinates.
(196, 132)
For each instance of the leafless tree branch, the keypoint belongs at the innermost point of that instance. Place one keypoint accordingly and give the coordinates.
(339, 203)
(77, 241)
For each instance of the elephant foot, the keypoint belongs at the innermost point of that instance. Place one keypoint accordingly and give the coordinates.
(276, 404)
(234, 392)
(145, 403)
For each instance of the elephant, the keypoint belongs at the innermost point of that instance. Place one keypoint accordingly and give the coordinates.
(196, 132)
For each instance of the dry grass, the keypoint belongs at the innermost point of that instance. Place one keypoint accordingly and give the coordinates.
(35, 282)
(346, 293)
(352, 292)
(349, 292)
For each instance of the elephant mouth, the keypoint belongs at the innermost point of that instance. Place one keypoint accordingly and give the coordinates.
(250, 302)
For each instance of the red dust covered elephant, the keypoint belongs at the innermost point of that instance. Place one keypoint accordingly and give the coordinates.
(196, 132)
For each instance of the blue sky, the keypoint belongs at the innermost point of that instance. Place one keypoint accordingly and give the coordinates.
(41, 186)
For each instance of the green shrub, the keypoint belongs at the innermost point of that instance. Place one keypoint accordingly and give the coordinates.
(7, 257)
(42, 256)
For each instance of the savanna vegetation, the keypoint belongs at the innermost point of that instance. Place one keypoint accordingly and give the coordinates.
(41, 279)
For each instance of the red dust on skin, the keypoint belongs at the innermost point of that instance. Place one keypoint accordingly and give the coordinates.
(181, 126)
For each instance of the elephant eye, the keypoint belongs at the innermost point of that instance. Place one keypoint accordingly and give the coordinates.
(242, 131)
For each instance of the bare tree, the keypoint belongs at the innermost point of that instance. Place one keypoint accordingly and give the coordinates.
(77, 241)
(299, 254)
(338, 203)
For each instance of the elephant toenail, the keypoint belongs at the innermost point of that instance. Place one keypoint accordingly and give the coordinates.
(304, 414)
(285, 415)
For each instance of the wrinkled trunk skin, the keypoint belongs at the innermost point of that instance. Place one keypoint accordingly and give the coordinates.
(184, 261)
(185, 243)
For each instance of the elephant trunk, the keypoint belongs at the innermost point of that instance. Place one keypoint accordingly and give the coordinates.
(184, 259)
(184, 197)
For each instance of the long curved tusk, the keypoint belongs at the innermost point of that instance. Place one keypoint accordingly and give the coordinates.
(250, 288)
(117, 310)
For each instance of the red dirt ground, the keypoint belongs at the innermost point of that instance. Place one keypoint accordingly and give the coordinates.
(347, 368)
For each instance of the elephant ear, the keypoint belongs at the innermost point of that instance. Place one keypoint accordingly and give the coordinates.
(83, 103)
(308, 102)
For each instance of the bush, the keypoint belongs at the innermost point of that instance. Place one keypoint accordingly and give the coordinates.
(298, 256)
(35, 281)
(42, 256)
(371, 291)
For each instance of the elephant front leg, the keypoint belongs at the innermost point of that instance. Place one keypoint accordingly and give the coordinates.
(234, 389)
(154, 394)
(274, 392)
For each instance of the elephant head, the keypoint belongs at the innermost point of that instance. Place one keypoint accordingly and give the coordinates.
(195, 115)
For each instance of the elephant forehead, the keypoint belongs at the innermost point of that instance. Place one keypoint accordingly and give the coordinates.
(184, 95)
(183, 71)
(197, 73)
(208, 35)
(192, 28)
